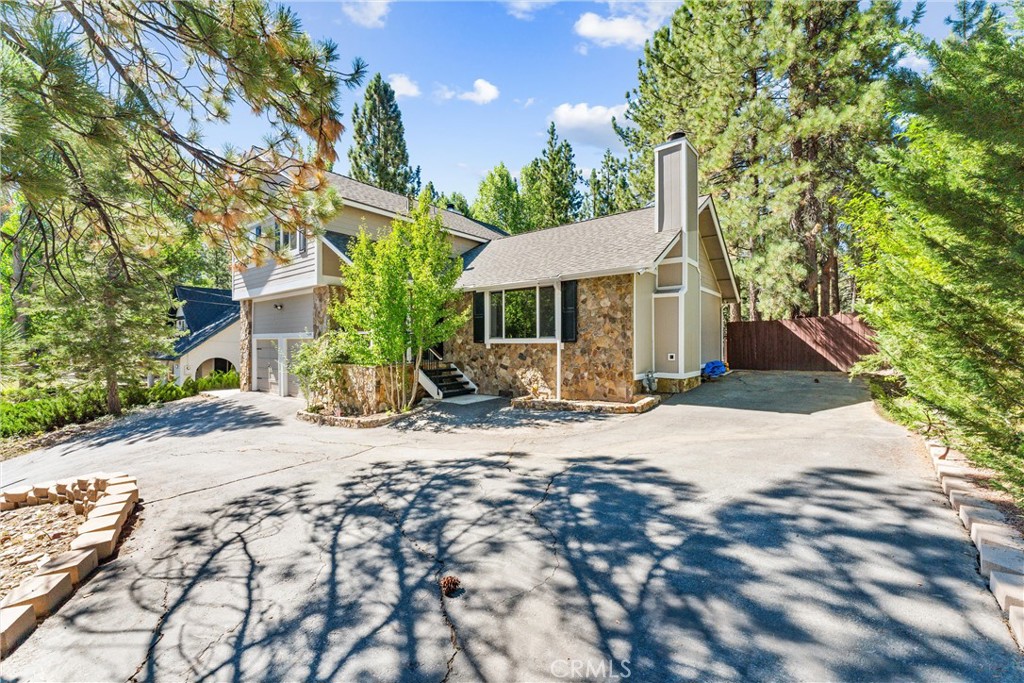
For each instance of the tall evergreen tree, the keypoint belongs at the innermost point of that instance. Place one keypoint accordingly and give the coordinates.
(378, 155)
(549, 185)
(781, 101)
(609, 190)
(943, 234)
(499, 203)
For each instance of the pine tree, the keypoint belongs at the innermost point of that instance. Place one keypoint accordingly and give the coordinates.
(499, 203)
(378, 155)
(549, 185)
(943, 234)
(609, 190)
(776, 166)
(116, 152)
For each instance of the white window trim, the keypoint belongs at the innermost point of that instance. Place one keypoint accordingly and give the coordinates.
(489, 339)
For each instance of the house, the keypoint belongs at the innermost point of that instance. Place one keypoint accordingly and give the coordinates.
(580, 311)
(209, 319)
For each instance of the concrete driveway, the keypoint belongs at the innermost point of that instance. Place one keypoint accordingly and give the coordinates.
(765, 527)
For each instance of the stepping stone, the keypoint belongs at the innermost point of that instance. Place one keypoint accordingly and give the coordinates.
(116, 499)
(42, 490)
(971, 515)
(121, 510)
(100, 524)
(951, 483)
(103, 542)
(1008, 589)
(18, 494)
(131, 489)
(78, 563)
(996, 534)
(953, 470)
(44, 593)
(999, 558)
(1016, 619)
(16, 623)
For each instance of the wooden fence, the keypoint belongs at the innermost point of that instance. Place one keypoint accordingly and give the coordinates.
(824, 343)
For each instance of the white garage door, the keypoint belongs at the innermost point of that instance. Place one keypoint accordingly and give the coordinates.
(293, 381)
(267, 367)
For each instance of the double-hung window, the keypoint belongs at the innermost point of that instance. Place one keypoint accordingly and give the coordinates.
(527, 313)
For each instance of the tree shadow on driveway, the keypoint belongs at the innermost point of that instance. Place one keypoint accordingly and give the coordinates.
(839, 574)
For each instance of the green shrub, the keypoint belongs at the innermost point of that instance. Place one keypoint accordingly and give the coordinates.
(218, 380)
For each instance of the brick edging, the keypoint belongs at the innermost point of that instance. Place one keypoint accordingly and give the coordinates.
(107, 500)
(1000, 546)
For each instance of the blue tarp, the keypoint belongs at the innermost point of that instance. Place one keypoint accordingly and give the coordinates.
(714, 368)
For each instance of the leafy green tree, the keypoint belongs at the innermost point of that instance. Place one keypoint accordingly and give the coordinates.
(402, 298)
(457, 201)
(378, 155)
(499, 203)
(104, 324)
(943, 236)
(549, 185)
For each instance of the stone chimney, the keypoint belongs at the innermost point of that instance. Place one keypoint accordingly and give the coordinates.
(675, 185)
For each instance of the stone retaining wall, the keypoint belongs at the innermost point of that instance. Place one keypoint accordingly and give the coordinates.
(356, 390)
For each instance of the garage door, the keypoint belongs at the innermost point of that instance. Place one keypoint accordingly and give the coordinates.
(267, 368)
(293, 382)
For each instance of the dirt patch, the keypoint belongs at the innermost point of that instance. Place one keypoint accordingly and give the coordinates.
(29, 536)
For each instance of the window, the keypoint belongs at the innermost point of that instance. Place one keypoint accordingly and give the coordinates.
(527, 313)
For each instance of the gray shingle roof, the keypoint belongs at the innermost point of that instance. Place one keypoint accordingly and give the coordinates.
(620, 242)
(395, 203)
(207, 311)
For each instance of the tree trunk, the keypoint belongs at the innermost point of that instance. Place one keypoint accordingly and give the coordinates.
(113, 395)
(752, 301)
(825, 290)
(837, 302)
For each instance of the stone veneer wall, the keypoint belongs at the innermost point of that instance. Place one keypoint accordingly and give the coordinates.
(597, 367)
(323, 297)
(245, 346)
(356, 390)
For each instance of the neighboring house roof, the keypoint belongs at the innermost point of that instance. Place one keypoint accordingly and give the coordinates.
(206, 311)
(368, 195)
(618, 243)
(340, 243)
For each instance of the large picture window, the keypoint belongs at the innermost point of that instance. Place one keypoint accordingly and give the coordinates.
(527, 313)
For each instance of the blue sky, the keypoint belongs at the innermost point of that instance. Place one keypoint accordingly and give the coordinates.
(478, 82)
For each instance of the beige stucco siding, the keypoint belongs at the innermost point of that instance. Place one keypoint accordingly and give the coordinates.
(670, 275)
(711, 327)
(666, 334)
(691, 323)
(707, 275)
(352, 219)
(224, 344)
(669, 168)
(294, 317)
(643, 322)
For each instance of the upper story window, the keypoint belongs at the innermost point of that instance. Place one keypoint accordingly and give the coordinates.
(179, 323)
(289, 240)
(527, 313)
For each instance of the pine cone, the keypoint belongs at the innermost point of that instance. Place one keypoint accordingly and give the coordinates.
(450, 584)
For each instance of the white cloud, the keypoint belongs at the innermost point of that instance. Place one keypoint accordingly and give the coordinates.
(627, 24)
(915, 62)
(443, 92)
(482, 92)
(582, 49)
(368, 13)
(525, 9)
(588, 125)
(403, 86)
(525, 104)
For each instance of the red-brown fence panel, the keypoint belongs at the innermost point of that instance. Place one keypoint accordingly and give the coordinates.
(833, 342)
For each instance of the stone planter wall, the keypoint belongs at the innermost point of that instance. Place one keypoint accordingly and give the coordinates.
(356, 390)
(597, 367)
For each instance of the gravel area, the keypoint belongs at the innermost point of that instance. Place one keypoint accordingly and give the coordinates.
(29, 536)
